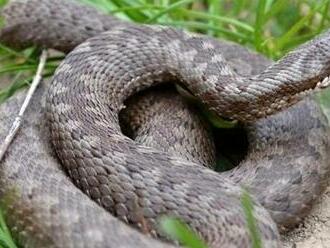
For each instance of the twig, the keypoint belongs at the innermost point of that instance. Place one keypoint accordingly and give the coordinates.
(18, 120)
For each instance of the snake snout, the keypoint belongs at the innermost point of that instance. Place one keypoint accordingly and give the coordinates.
(324, 83)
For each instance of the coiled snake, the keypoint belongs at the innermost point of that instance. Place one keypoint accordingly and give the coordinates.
(285, 169)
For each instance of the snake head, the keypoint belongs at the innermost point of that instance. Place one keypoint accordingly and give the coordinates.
(298, 74)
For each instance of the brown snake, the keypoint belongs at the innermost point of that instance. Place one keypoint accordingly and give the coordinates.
(285, 169)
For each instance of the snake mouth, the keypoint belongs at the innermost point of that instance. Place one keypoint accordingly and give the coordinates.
(314, 86)
(324, 83)
(321, 84)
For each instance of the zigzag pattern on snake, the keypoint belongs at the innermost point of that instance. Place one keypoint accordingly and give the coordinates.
(138, 183)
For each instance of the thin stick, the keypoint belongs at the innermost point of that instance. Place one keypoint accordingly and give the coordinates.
(18, 120)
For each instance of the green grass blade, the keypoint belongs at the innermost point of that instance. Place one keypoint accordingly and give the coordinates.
(215, 20)
(281, 42)
(135, 15)
(179, 231)
(203, 28)
(167, 10)
(3, 3)
(148, 7)
(276, 7)
(24, 67)
(20, 55)
(6, 239)
(213, 9)
(324, 13)
(251, 222)
(259, 25)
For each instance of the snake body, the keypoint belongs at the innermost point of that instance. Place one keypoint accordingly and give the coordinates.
(286, 165)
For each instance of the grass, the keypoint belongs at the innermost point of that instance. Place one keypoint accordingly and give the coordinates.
(6, 240)
(180, 232)
(271, 27)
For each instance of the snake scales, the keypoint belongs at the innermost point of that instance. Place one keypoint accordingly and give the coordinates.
(285, 169)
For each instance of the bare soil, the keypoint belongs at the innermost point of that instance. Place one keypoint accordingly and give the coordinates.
(314, 232)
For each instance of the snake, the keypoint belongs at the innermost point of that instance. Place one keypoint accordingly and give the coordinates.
(72, 178)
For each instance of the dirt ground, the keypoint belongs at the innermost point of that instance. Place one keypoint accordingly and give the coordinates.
(314, 232)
